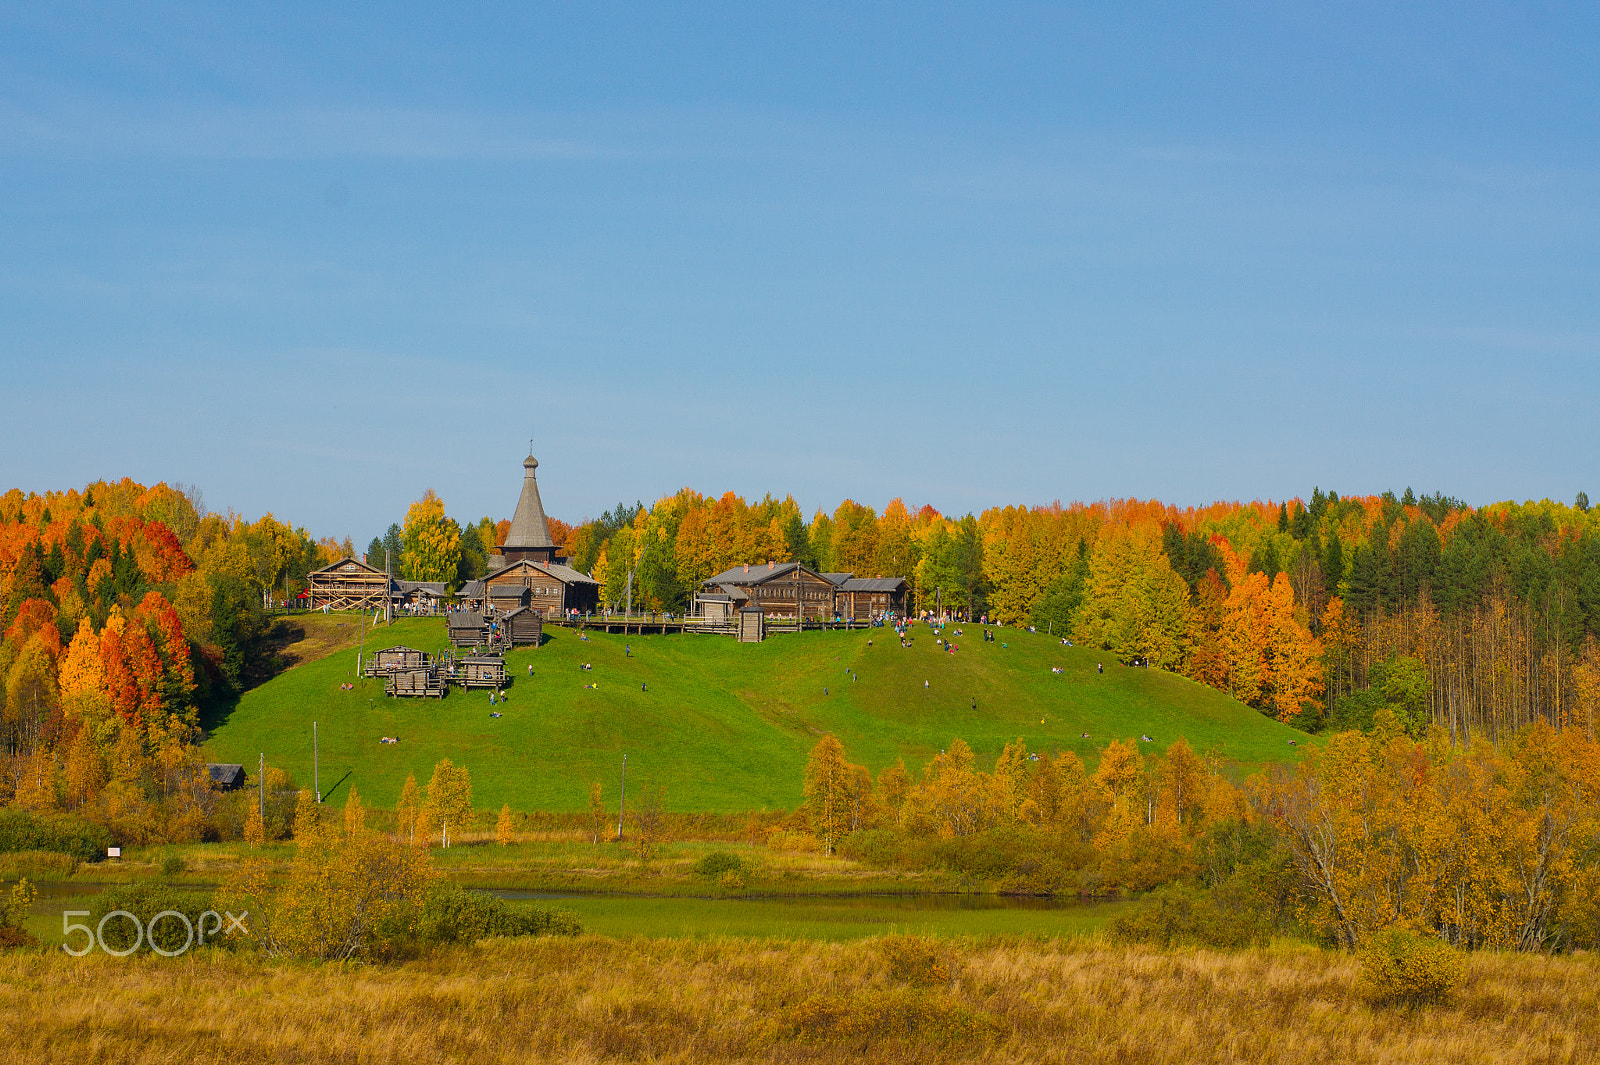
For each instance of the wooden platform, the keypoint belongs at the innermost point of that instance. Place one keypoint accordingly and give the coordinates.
(421, 683)
(393, 659)
(479, 671)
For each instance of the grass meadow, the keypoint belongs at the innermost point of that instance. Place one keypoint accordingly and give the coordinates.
(723, 726)
(727, 999)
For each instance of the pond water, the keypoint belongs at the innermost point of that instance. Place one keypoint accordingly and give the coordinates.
(829, 917)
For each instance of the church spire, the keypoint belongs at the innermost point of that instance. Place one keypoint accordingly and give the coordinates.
(529, 535)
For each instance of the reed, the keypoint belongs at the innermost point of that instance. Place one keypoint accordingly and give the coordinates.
(594, 999)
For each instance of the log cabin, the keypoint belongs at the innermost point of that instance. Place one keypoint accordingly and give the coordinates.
(550, 589)
(467, 628)
(867, 598)
(778, 589)
(524, 627)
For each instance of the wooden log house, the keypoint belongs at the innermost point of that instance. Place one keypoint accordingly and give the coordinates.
(786, 590)
(550, 589)
(866, 598)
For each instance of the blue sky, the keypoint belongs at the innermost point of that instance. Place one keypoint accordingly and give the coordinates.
(318, 259)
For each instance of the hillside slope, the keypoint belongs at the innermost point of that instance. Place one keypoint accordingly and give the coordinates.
(724, 726)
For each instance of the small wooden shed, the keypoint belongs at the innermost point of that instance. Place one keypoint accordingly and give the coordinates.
(524, 626)
(225, 776)
(481, 671)
(715, 607)
(752, 624)
(468, 628)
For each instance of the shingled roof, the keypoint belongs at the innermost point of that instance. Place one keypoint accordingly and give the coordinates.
(565, 574)
(435, 588)
(754, 574)
(873, 584)
(529, 527)
(347, 564)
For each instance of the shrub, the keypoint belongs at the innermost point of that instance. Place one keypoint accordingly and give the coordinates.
(22, 831)
(1401, 969)
(1176, 915)
(15, 939)
(453, 914)
(172, 865)
(1014, 857)
(881, 847)
(14, 909)
(914, 960)
(144, 900)
(717, 864)
(37, 865)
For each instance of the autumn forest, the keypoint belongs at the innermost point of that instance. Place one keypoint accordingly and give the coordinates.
(128, 608)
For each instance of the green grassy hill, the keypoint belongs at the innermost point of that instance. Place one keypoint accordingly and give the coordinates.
(724, 726)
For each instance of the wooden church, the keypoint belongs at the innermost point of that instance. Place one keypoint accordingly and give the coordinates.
(526, 574)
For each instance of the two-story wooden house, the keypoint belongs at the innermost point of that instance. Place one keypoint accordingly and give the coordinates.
(779, 589)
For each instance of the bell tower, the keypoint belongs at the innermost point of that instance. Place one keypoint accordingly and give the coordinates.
(529, 536)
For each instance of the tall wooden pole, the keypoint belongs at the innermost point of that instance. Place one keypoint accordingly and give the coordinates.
(261, 790)
(623, 804)
(316, 764)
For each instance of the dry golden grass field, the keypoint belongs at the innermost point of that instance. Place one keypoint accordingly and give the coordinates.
(593, 999)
